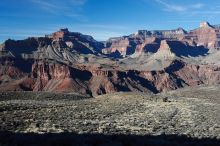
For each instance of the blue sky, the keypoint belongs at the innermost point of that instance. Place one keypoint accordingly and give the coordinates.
(102, 18)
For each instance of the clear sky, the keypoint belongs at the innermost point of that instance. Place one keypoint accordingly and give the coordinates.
(102, 18)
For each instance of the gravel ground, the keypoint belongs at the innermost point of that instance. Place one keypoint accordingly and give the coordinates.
(119, 113)
(191, 112)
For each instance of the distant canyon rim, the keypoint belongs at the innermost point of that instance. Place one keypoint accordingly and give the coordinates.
(146, 61)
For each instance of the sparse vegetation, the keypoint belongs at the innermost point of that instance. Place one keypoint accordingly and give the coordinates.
(119, 113)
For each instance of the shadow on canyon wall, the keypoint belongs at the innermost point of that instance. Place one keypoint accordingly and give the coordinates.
(182, 50)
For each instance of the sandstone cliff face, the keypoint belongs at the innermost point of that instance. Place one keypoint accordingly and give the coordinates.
(48, 71)
(189, 75)
(165, 51)
(149, 45)
(59, 34)
(196, 75)
(155, 61)
(10, 67)
(47, 76)
(61, 45)
(141, 41)
(123, 46)
(44, 72)
(207, 35)
(13, 76)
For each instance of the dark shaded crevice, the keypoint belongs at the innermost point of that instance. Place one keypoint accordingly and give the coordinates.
(120, 85)
(114, 55)
(178, 81)
(152, 48)
(175, 66)
(101, 91)
(121, 88)
(81, 75)
(24, 88)
(130, 50)
(144, 82)
(181, 49)
(28, 45)
(24, 65)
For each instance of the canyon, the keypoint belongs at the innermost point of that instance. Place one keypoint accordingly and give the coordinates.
(146, 61)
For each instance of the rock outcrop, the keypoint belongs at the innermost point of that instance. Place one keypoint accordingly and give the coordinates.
(206, 35)
(151, 61)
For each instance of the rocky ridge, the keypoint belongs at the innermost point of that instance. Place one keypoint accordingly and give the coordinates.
(146, 61)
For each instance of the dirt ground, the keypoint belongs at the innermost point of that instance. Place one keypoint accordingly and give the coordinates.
(192, 112)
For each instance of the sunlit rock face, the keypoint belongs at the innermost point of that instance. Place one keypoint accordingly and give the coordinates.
(146, 61)
(206, 35)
